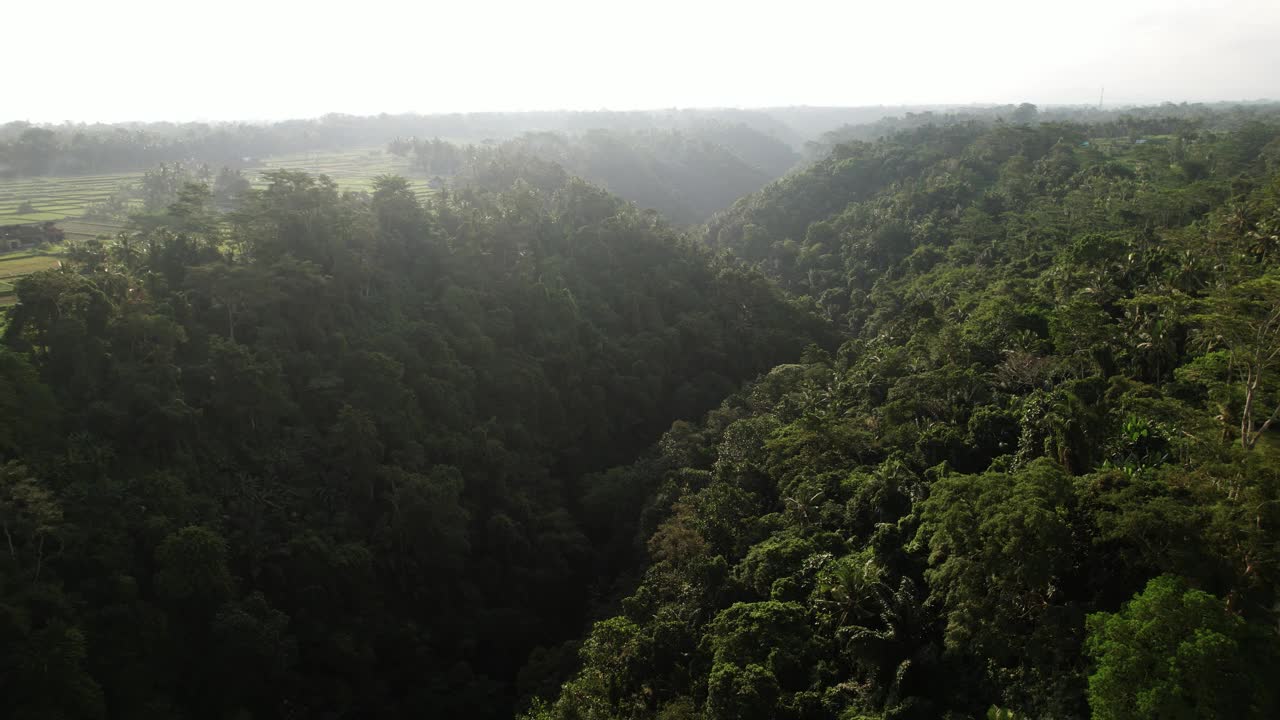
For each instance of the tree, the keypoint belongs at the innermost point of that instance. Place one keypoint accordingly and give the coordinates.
(1176, 653)
(229, 186)
(1002, 556)
(770, 636)
(159, 187)
(34, 152)
(192, 567)
(234, 289)
(27, 410)
(1244, 320)
(1025, 114)
(29, 516)
(741, 693)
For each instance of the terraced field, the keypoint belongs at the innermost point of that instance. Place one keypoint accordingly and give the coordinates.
(83, 229)
(352, 170)
(14, 265)
(28, 200)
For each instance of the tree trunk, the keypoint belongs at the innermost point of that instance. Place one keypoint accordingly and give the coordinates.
(12, 552)
(39, 558)
(1247, 437)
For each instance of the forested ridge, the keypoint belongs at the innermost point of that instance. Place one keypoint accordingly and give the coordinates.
(324, 456)
(1039, 480)
(970, 421)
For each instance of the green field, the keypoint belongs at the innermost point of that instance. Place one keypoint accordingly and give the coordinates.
(14, 265)
(82, 229)
(351, 170)
(56, 198)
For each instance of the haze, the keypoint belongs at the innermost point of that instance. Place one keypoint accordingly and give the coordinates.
(241, 59)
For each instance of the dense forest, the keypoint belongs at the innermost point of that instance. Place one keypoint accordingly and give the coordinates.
(308, 455)
(1039, 479)
(975, 417)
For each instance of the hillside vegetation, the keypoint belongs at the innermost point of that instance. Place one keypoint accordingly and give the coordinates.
(322, 457)
(978, 419)
(1039, 480)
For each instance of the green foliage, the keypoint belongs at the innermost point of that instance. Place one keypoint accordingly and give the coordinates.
(1243, 320)
(1176, 652)
(764, 633)
(750, 693)
(1003, 557)
(1033, 414)
(192, 566)
(303, 451)
(329, 444)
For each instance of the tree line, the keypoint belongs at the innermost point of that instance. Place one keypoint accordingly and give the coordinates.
(35, 149)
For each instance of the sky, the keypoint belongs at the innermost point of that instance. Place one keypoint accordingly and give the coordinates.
(88, 60)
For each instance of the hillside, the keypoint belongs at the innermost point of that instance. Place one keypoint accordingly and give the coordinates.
(1040, 479)
(322, 456)
(975, 420)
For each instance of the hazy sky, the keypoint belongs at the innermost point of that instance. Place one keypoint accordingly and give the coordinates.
(269, 59)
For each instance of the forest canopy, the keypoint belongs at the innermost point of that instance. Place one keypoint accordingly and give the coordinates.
(968, 417)
(1032, 482)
